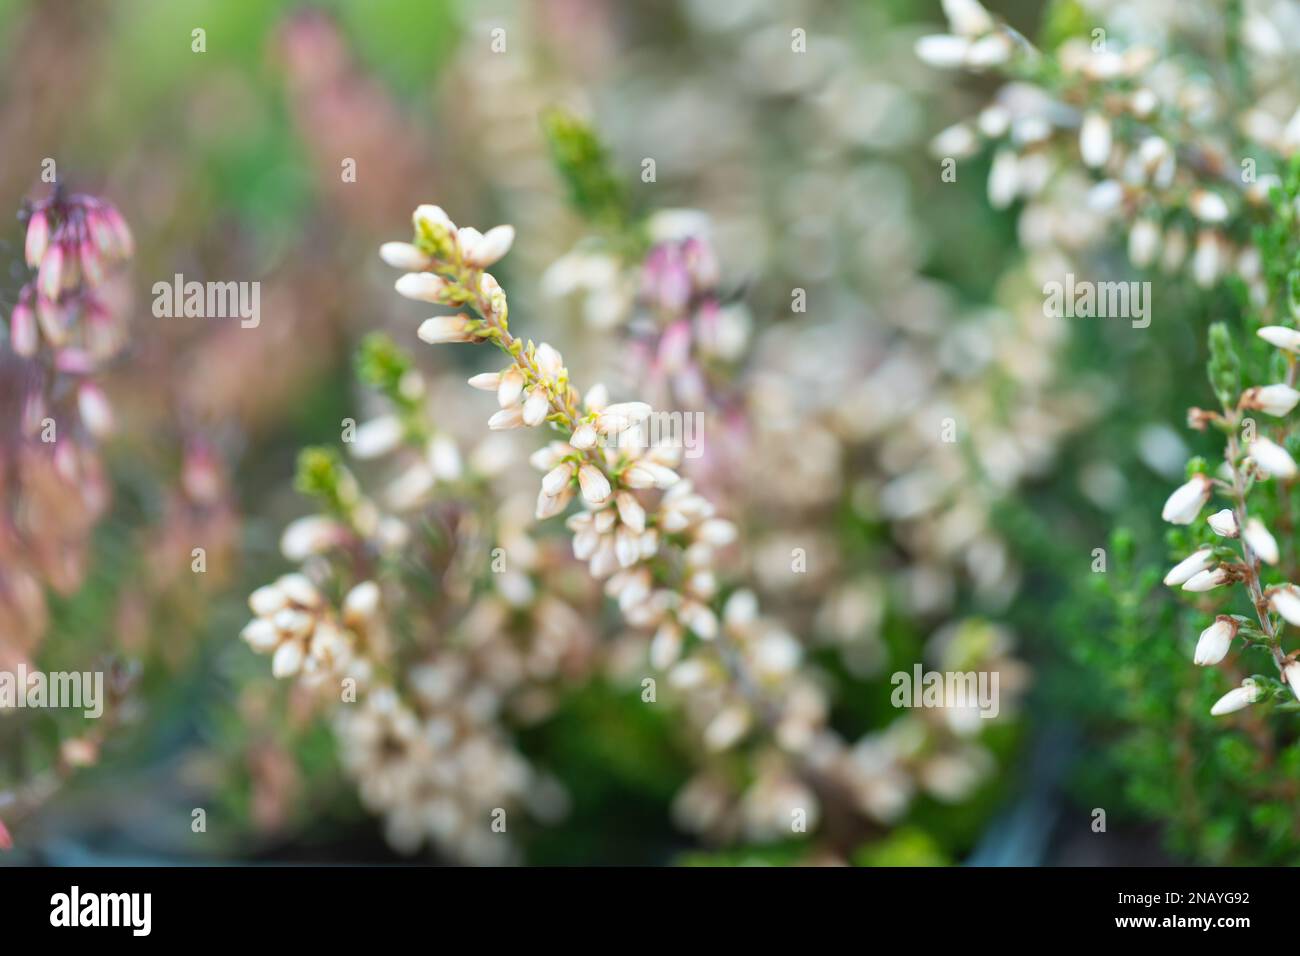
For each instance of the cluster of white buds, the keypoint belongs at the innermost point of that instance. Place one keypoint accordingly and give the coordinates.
(1248, 462)
(1118, 114)
(305, 636)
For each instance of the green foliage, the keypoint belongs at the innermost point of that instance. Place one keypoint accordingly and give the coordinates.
(583, 163)
(1224, 366)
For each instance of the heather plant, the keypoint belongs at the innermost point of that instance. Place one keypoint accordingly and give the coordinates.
(1124, 132)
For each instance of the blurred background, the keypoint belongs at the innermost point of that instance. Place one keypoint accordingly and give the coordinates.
(302, 135)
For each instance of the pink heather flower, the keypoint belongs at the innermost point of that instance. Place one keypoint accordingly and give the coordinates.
(38, 238)
(23, 332)
(6, 840)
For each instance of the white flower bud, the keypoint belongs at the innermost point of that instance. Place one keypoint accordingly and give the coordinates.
(1272, 399)
(1186, 502)
(511, 387)
(512, 417)
(1223, 523)
(943, 51)
(1271, 458)
(1215, 641)
(535, 408)
(1236, 699)
(1261, 541)
(1281, 337)
(1207, 206)
(595, 486)
(421, 286)
(403, 255)
(967, 17)
(1190, 566)
(1286, 601)
(444, 328)
(1094, 140)
(1292, 674)
(1207, 580)
(376, 437)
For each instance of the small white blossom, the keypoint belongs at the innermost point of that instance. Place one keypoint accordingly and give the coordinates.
(1261, 541)
(1223, 523)
(1190, 566)
(1272, 459)
(1186, 502)
(1236, 699)
(1215, 641)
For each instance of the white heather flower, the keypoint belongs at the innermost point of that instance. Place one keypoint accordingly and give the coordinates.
(377, 437)
(1215, 641)
(648, 474)
(287, 659)
(1236, 699)
(481, 250)
(666, 647)
(1207, 580)
(1272, 458)
(1273, 399)
(444, 458)
(1094, 140)
(432, 217)
(942, 50)
(548, 506)
(1261, 541)
(1292, 674)
(584, 436)
(96, 414)
(1208, 207)
(511, 386)
(726, 728)
(630, 511)
(1143, 243)
(307, 536)
(535, 407)
(362, 602)
(1190, 566)
(1286, 601)
(555, 479)
(700, 619)
(596, 399)
(967, 17)
(486, 382)
(421, 286)
(1223, 523)
(1004, 179)
(621, 416)
(1186, 502)
(403, 255)
(595, 486)
(444, 328)
(512, 417)
(1281, 337)
(549, 362)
